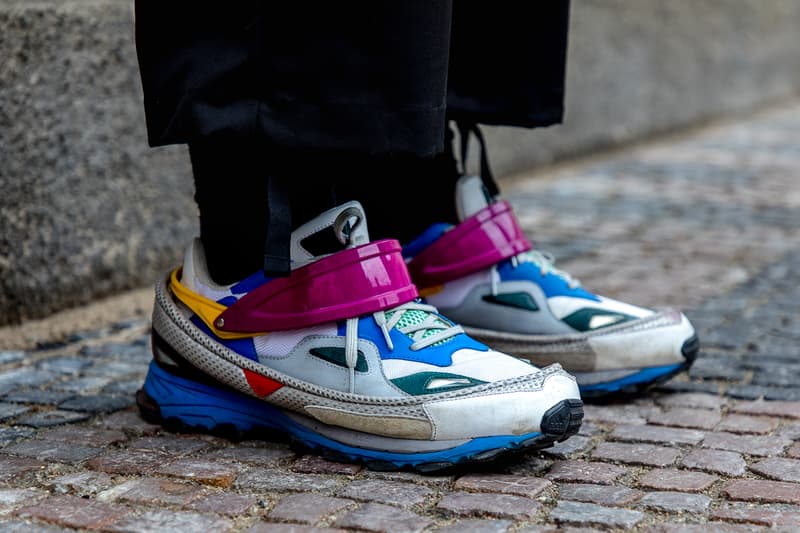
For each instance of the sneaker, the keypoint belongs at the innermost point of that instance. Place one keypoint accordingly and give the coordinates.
(343, 358)
(484, 274)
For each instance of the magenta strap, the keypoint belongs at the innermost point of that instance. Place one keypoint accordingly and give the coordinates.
(347, 284)
(482, 240)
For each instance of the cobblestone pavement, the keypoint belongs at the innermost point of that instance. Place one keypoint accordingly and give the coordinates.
(707, 221)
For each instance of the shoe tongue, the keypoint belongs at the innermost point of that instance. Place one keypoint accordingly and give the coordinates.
(344, 226)
(471, 196)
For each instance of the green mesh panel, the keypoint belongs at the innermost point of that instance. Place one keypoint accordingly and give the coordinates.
(415, 316)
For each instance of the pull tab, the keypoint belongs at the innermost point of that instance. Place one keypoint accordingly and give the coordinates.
(347, 227)
(465, 130)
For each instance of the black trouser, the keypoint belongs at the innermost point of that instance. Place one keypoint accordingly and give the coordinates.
(293, 107)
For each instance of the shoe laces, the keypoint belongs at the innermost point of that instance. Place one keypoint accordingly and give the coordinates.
(546, 263)
(421, 322)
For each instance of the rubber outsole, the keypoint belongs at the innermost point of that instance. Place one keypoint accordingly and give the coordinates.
(203, 410)
(640, 383)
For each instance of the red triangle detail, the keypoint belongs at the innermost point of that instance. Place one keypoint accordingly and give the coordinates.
(261, 385)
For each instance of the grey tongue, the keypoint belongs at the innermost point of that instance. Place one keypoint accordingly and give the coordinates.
(471, 196)
(348, 221)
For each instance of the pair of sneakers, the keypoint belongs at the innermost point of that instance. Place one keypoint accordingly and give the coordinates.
(464, 345)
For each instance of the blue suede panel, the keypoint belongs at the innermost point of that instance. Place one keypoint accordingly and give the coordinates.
(551, 284)
(249, 283)
(440, 355)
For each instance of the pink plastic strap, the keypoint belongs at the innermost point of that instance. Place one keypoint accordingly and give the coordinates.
(347, 284)
(484, 239)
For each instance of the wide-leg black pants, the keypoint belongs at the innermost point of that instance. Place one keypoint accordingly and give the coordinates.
(355, 93)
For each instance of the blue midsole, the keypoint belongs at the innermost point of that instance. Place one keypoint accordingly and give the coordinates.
(645, 375)
(198, 404)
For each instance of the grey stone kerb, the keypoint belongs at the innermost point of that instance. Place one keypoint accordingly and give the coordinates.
(87, 209)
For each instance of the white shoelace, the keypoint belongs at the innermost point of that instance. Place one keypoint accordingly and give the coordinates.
(546, 263)
(429, 331)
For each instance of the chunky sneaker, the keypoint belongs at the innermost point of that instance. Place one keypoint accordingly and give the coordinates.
(484, 274)
(345, 359)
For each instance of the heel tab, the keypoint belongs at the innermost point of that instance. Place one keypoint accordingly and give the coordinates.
(348, 221)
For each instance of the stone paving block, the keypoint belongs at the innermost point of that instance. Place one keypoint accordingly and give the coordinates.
(87, 436)
(585, 472)
(599, 494)
(11, 380)
(12, 468)
(128, 462)
(790, 430)
(676, 502)
(11, 356)
(14, 433)
(686, 418)
(83, 385)
(388, 492)
(716, 527)
(154, 491)
(73, 511)
(27, 526)
(615, 414)
(200, 470)
(747, 392)
(590, 429)
(794, 450)
(694, 400)
(768, 408)
(125, 388)
(10, 499)
(164, 520)
(271, 527)
(717, 461)
(225, 503)
(383, 519)
(747, 444)
(53, 451)
(12, 410)
(80, 483)
(748, 424)
(670, 479)
(488, 504)
(98, 403)
(173, 445)
(116, 369)
(308, 508)
(590, 514)
(696, 387)
(266, 480)
(128, 421)
(778, 468)
(64, 364)
(314, 464)
(762, 515)
(573, 446)
(532, 465)
(39, 396)
(657, 434)
(638, 454)
(505, 484)
(254, 456)
(411, 477)
(55, 417)
(476, 525)
(756, 490)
